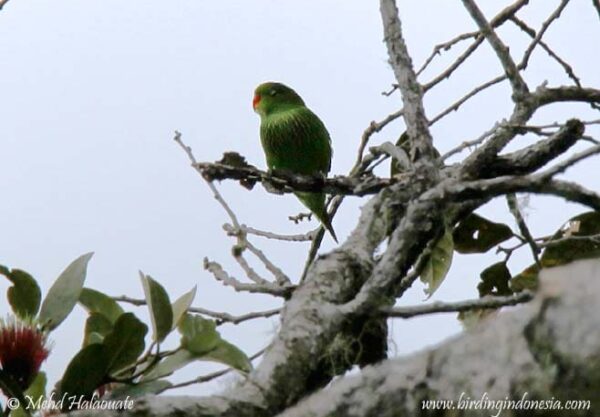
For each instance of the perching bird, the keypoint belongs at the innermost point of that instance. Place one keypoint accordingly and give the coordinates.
(294, 139)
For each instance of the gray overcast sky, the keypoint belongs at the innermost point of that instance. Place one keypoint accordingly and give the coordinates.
(91, 92)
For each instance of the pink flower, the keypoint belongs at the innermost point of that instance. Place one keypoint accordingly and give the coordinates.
(23, 348)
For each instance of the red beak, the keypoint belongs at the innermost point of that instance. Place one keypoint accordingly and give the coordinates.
(255, 101)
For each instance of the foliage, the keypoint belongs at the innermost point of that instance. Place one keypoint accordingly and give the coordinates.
(114, 359)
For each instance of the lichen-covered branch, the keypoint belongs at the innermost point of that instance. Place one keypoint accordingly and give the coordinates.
(547, 349)
(488, 302)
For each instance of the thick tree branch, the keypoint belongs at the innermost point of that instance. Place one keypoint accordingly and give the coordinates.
(286, 182)
(547, 349)
(417, 126)
(533, 157)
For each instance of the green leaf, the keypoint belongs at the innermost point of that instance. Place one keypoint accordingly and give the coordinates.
(34, 395)
(86, 372)
(170, 364)
(24, 296)
(475, 234)
(126, 342)
(230, 355)
(181, 306)
(97, 326)
(495, 280)
(64, 293)
(438, 263)
(198, 335)
(97, 302)
(574, 246)
(139, 390)
(161, 312)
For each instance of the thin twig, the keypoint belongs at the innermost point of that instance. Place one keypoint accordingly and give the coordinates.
(446, 46)
(470, 143)
(498, 20)
(454, 106)
(208, 377)
(513, 206)
(220, 317)
(555, 15)
(217, 195)
(549, 241)
(373, 128)
(510, 68)
(568, 69)
(487, 302)
(221, 275)
(563, 165)
(306, 237)
(237, 230)
(280, 276)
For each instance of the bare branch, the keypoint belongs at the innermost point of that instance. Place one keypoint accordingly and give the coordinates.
(555, 15)
(286, 182)
(535, 156)
(544, 95)
(455, 106)
(570, 191)
(373, 128)
(564, 165)
(280, 276)
(220, 317)
(270, 235)
(446, 46)
(568, 69)
(537, 183)
(217, 195)
(512, 72)
(417, 126)
(498, 20)
(488, 302)
(470, 143)
(481, 159)
(209, 377)
(248, 270)
(220, 275)
(513, 206)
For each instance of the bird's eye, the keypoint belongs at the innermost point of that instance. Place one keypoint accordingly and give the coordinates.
(273, 92)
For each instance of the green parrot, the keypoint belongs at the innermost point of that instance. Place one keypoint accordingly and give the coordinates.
(294, 139)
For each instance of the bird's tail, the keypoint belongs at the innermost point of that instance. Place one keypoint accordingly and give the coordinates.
(316, 204)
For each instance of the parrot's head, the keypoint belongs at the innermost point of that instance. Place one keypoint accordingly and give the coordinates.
(272, 97)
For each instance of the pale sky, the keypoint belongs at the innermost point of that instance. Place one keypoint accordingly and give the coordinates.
(91, 92)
